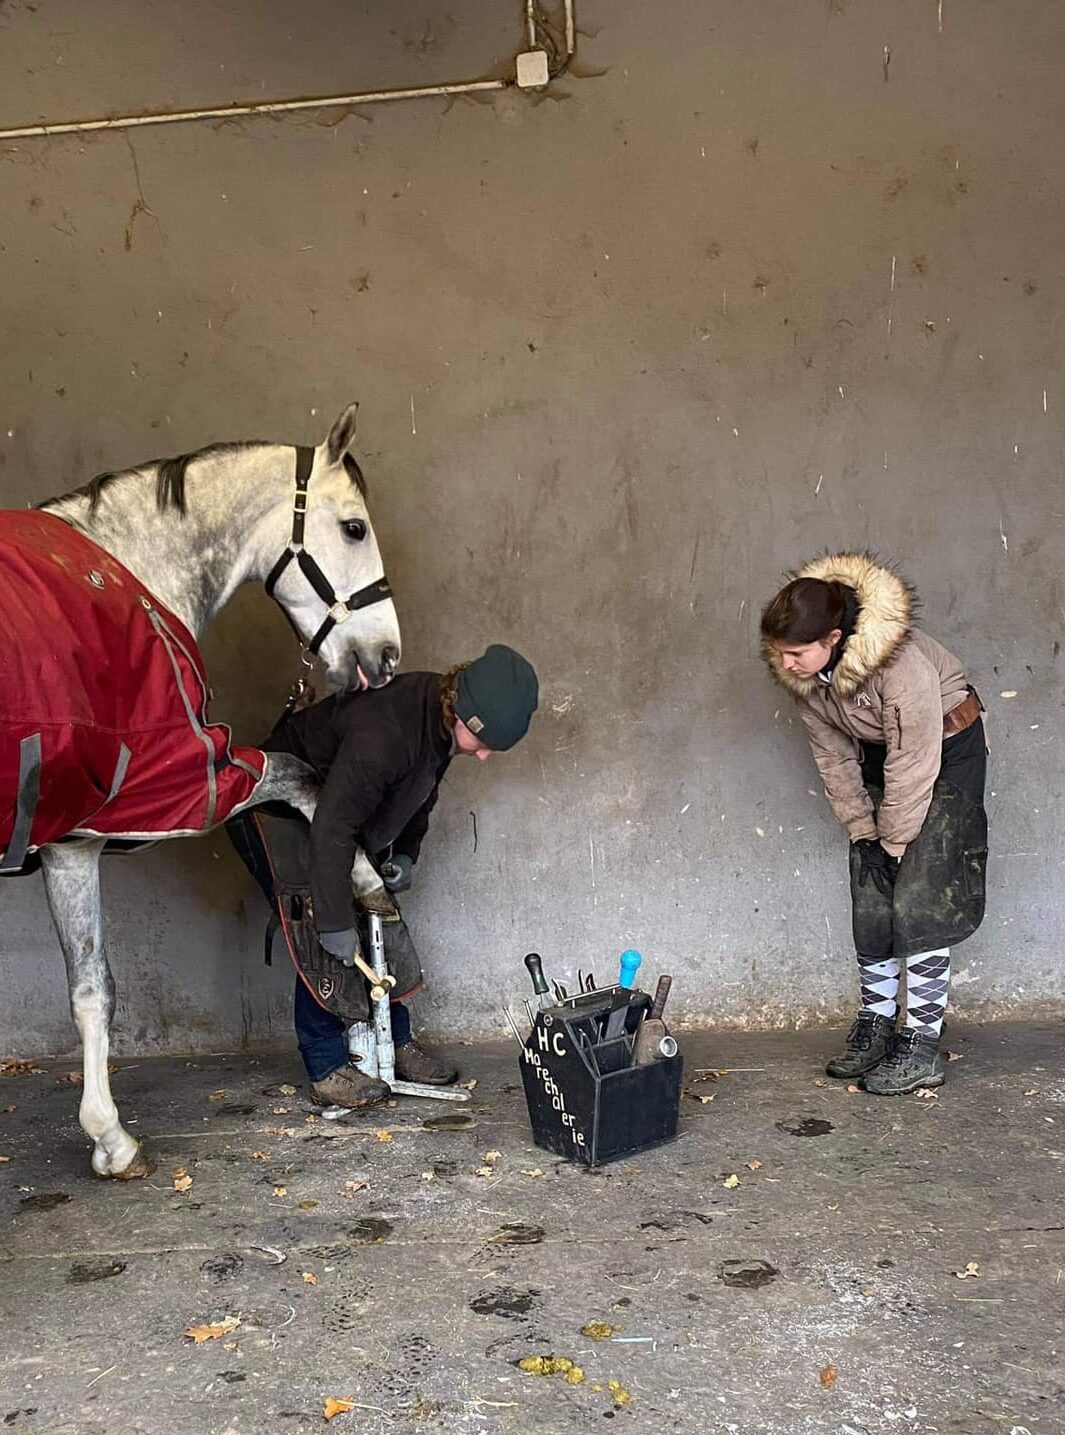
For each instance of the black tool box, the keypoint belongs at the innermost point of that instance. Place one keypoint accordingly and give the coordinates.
(587, 1101)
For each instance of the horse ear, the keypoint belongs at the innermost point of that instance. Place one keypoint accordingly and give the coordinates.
(342, 434)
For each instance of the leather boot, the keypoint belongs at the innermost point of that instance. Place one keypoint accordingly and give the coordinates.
(914, 1063)
(413, 1063)
(869, 1041)
(349, 1087)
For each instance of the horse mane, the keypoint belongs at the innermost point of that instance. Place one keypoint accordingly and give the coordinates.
(355, 473)
(170, 474)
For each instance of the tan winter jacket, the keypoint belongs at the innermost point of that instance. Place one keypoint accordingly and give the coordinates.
(892, 685)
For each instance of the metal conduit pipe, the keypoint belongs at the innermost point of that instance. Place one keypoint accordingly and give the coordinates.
(317, 102)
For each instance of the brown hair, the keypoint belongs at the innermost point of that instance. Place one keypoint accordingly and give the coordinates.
(449, 691)
(806, 611)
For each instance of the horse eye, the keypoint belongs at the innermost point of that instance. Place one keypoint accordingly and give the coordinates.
(355, 529)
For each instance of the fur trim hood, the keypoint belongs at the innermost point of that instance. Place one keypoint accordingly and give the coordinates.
(885, 621)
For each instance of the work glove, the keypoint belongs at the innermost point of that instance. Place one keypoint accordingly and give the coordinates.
(398, 873)
(877, 866)
(342, 945)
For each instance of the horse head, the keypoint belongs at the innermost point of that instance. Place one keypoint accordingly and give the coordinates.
(335, 593)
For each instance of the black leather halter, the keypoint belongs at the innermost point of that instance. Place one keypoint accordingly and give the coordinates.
(338, 610)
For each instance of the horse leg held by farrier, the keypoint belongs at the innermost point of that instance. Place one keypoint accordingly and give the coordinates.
(287, 779)
(370, 892)
(72, 884)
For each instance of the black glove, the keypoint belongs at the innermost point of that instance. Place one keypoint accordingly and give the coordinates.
(398, 873)
(877, 865)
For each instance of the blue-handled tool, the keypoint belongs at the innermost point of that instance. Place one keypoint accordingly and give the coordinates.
(630, 964)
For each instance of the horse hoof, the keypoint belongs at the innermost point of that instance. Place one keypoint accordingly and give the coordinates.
(379, 903)
(142, 1165)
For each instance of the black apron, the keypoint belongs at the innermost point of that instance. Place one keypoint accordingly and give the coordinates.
(275, 845)
(938, 898)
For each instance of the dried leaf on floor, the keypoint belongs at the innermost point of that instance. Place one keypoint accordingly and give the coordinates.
(484, 1171)
(180, 1179)
(280, 1191)
(754, 1165)
(574, 1375)
(600, 1330)
(927, 1094)
(491, 1157)
(383, 1135)
(307, 1205)
(12, 1066)
(333, 1408)
(282, 1110)
(854, 1090)
(428, 1175)
(279, 1130)
(711, 1073)
(309, 1278)
(217, 1096)
(350, 1187)
(828, 1377)
(260, 1155)
(955, 1056)
(214, 1330)
(972, 1270)
(701, 1097)
(620, 1395)
(470, 1085)
(311, 1119)
(286, 1089)
(731, 1182)
(533, 1171)
(1033, 1091)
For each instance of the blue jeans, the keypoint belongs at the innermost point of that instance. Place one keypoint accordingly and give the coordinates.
(322, 1036)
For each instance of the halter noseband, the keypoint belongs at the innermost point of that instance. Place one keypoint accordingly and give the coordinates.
(338, 610)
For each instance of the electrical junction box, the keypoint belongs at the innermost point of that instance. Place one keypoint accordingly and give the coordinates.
(532, 71)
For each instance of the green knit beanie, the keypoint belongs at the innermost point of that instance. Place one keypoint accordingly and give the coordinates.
(497, 696)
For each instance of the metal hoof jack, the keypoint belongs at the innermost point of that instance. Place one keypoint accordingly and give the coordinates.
(370, 1043)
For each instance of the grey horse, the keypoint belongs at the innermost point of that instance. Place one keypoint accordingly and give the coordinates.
(192, 530)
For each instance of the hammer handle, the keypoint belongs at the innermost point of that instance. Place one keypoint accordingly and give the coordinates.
(379, 985)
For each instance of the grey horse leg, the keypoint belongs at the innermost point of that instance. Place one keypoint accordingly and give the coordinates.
(287, 779)
(72, 885)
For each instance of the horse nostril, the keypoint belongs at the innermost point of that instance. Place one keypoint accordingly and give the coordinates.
(389, 657)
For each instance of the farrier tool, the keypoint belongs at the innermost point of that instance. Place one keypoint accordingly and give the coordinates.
(653, 1042)
(535, 969)
(370, 1043)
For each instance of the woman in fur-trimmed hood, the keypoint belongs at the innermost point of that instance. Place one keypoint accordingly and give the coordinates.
(897, 736)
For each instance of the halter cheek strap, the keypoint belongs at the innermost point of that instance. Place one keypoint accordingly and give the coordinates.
(338, 610)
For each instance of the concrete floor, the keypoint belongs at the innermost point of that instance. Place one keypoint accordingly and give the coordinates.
(419, 1307)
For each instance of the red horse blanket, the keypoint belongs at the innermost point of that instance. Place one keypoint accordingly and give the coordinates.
(103, 702)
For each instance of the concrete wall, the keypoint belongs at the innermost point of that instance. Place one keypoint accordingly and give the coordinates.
(760, 278)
